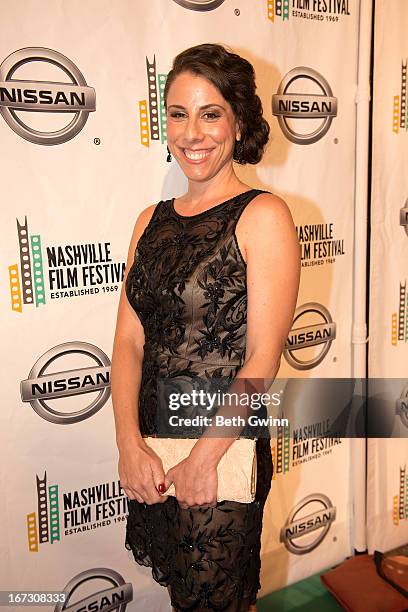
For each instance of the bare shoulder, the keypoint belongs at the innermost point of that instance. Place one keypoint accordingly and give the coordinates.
(143, 221)
(265, 208)
(265, 220)
(145, 215)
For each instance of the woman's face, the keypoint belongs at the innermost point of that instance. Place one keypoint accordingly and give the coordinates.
(201, 127)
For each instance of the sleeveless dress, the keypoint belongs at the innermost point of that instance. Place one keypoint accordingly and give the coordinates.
(187, 285)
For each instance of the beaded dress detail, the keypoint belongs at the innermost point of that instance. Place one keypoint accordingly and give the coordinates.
(187, 285)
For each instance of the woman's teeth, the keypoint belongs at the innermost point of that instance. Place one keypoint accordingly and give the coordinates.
(196, 155)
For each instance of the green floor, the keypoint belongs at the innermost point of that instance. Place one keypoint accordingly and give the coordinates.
(309, 595)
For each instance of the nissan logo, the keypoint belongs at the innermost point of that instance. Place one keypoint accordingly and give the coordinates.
(41, 386)
(293, 104)
(44, 96)
(320, 334)
(314, 513)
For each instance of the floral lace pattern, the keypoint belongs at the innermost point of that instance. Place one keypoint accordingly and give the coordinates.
(188, 286)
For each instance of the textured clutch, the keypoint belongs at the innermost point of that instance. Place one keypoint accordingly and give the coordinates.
(236, 469)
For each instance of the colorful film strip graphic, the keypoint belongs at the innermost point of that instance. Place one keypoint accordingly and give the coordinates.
(403, 495)
(395, 510)
(44, 526)
(282, 463)
(152, 114)
(273, 452)
(399, 111)
(27, 284)
(278, 8)
(400, 502)
(42, 509)
(399, 322)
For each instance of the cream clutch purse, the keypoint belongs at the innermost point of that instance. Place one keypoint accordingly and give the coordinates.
(236, 469)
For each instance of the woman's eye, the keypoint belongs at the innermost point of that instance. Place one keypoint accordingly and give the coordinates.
(208, 115)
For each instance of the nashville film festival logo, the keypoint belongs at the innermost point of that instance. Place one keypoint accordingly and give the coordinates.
(43, 385)
(316, 10)
(33, 96)
(399, 320)
(291, 105)
(73, 512)
(305, 404)
(400, 110)
(312, 515)
(318, 245)
(400, 502)
(83, 592)
(152, 114)
(310, 442)
(61, 271)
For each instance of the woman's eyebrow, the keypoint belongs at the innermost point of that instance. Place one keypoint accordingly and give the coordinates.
(201, 107)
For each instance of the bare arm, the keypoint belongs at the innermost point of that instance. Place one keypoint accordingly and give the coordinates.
(140, 469)
(127, 354)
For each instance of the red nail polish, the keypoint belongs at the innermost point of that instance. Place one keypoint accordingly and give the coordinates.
(161, 488)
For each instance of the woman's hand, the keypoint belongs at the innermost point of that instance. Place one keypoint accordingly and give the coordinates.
(195, 481)
(140, 472)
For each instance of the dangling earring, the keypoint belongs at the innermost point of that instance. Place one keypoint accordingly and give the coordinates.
(168, 154)
(238, 144)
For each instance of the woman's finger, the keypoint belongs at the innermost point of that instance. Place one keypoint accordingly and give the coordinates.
(134, 495)
(129, 493)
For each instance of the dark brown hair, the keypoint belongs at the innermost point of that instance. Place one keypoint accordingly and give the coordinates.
(234, 77)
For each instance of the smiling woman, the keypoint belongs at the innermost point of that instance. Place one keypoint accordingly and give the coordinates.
(213, 113)
(210, 291)
(201, 136)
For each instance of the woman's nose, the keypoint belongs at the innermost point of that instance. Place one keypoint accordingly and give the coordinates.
(193, 129)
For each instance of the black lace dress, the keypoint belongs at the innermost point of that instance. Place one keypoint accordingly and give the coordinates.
(188, 287)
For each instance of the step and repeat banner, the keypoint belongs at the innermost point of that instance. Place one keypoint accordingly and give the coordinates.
(387, 459)
(83, 133)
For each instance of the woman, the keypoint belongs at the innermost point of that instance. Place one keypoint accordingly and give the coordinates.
(211, 287)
